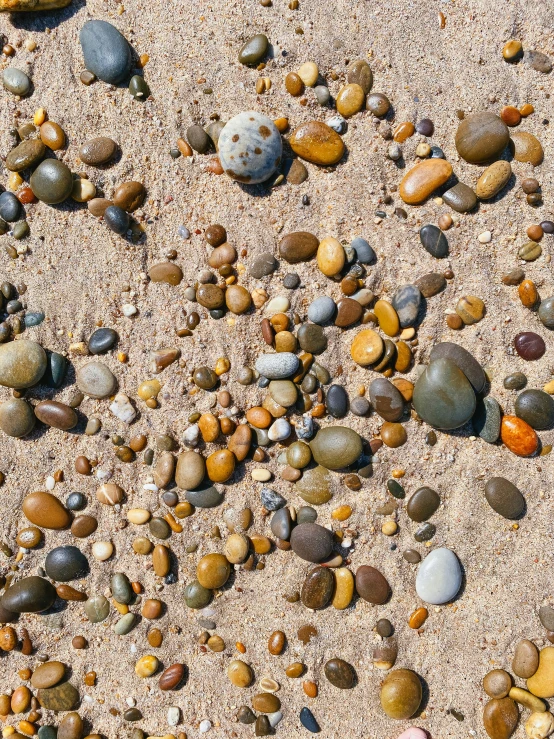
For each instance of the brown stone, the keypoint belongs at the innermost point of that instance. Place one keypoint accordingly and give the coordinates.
(526, 148)
(316, 142)
(166, 272)
(84, 526)
(299, 246)
(423, 179)
(46, 511)
(349, 312)
(129, 196)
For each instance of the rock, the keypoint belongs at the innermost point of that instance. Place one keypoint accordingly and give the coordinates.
(460, 198)
(337, 401)
(526, 148)
(341, 674)
(102, 340)
(106, 52)
(515, 381)
(364, 253)
(263, 266)
(168, 272)
(401, 694)
(536, 408)
(423, 179)
(46, 511)
(220, 465)
(98, 151)
(367, 347)
(254, 50)
(528, 345)
(443, 396)
(52, 181)
(97, 609)
(17, 418)
(10, 210)
(16, 81)
(319, 584)
(316, 142)
(359, 73)
(500, 718)
(237, 299)
(330, 256)
(205, 496)
(66, 563)
(423, 504)
(538, 61)
(431, 284)
(504, 497)
(465, 361)
(546, 617)
(240, 442)
(250, 148)
(122, 409)
(406, 302)
(540, 723)
(481, 137)
(281, 524)
(371, 585)
(271, 499)
(29, 595)
(57, 415)
(266, 703)
(96, 380)
(350, 100)
(299, 246)
(277, 366)
(22, 363)
(541, 683)
(518, 436)
(62, 697)
(297, 172)
(190, 471)
(311, 542)
(311, 338)
(546, 312)
(487, 418)
(529, 251)
(497, 683)
(336, 447)
(439, 577)
(315, 486)
(308, 721)
(25, 155)
(70, 727)
(494, 178)
(526, 659)
(386, 399)
(434, 241)
(213, 571)
(129, 196)
(322, 309)
(349, 312)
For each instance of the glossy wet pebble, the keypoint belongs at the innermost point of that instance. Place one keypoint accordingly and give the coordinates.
(102, 340)
(28, 595)
(10, 207)
(57, 415)
(401, 694)
(443, 396)
(317, 589)
(536, 408)
(16, 81)
(308, 721)
(504, 497)
(316, 142)
(26, 154)
(336, 447)
(340, 673)
(311, 542)
(406, 302)
(465, 361)
(106, 51)
(460, 198)
(298, 246)
(48, 674)
(45, 510)
(526, 148)
(439, 577)
(481, 137)
(52, 181)
(423, 179)
(529, 345)
(493, 180)
(254, 49)
(66, 563)
(500, 718)
(250, 148)
(22, 363)
(434, 241)
(518, 436)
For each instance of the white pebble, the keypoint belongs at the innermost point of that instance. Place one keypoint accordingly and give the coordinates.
(50, 483)
(122, 408)
(103, 475)
(279, 430)
(261, 475)
(150, 486)
(130, 702)
(190, 437)
(205, 726)
(173, 715)
(485, 237)
(128, 310)
(102, 550)
(346, 543)
(280, 304)
(274, 718)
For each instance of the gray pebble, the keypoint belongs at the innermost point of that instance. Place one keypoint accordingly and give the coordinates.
(322, 94)
(360, 406)
(16, 81)
(106, 51)
(406, 302)
(271, 499)
(321, 310)
(277, 366)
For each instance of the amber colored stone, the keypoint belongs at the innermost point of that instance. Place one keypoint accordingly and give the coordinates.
(423, 179)
(518, 436)
(528, 293)
(535, 232)
(294, 84)
(526, 110)
(26, 196)
(510, 115)
(276, 642)
(418, 618)
(316, 142)
(403, 131)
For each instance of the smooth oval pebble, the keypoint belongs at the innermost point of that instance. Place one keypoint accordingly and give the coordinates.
(45, 510)
(386, 399)
(504, 497)
(57, 415)
(541, 683)
(322, 309)
(536, 408)
(344, 588)
(423, 504)
(29, 595)
(62, 697)
(97, 608)
(460, 198)
(494, 178)
(465, 361)
(16, 81)
(526, 659)
(66, 563)
(434, 241)
(250, 148)
(106, 52)
(277, 366)
(336, 447)
(526, 148)
(315, 486)
(371, 585)
(340, 673)
(298, 246)
(26, 154)
(316, 142)
(443, 396)
(439, 577)
(401, 694)
(546, 617)
(17, 418)
(97, 151)
(167, 272)
(481, 137)
(22, 364)
(423, 179)
(311, 542)
(319, 584)
(367, 347)
(431, 284)
(48, 674)
(190, 470)
(254, 49)
(52, 181)
(500, 718)
(518, 436)
(529, 345)
(406, 302)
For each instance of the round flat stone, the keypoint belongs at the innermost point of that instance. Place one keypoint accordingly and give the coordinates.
(439, 577)
(321, 310)
(536, 408)
(196, 596)
(431, 284)
(106, 51)
(10, 209)
(263, 266)
(316, 142)
(481, 137)
(487, 418)
(315, 485)
(460, 198)
(406, 302)
(546, 617)
(515, 381)
(29, 595)
(308, 721)
(102, 340)
(349, 312)
(311, 542)
(298, 246)
(97, 151)
(528, 345)
(48, 674)
(500, 718)
(17, 418)
(311, 338)
(423, 179)
(52, 181)
(526, 148)
(97, 609)
(317, 589)
(423, 503)
(364, 252)
(66, 563)
(443, 396)
(250, 148)
(434, 241)
(463, 360)
(504, 497)
(277, 366)
(96, 380)
(62, 697)
(367, 347)
(336, 447)
(359, 73)
(401, 695)
(371, 585)
(22, 363)
(386, 399)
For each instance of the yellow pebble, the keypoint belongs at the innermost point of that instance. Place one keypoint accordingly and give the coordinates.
(397, 474)
(222, 366)
(83, 190)
(30, 44)
(342, 513)
(8, 731)
(122, 357)
(146, 666)
(15, 180)
(308, 73)
(39, 117)
(149, 389)
(389, 528)
(549, 387)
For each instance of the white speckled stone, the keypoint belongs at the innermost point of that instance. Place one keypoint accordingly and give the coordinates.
(250, 148)
(277, 366)
(439, 577)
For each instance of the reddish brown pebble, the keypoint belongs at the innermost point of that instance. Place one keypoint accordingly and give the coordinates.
(529, 345)
(171, 677)
(83, 466)
(535, 232)
(276, 642)
(510, 115)
(79, 642)
(454, 321)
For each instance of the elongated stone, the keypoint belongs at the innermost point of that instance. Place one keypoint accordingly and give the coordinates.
(423, 179)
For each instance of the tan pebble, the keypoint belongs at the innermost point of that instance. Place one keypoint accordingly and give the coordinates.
(138, 516)
(216, 643)
(110, 494)
(423, 179)
(389, 528)
(418, 618)
(330, 256)
(350, 100)
(260, 543)
(261, 475)
(344, 588)
(296, 669)
(493, 179)
(367, 347)
(471, 309)
(236, 548)
(21, 699)
(407, 333)
(549, 387)
(83, 190)
(102, 550)
(269, 685)
(308, 73)
(161, 560)
(239, 673)
(527, 699)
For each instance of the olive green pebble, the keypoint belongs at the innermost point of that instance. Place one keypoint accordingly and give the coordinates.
(52, 181)
(138, 88)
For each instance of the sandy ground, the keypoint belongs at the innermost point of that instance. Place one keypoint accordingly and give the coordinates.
(76, 269)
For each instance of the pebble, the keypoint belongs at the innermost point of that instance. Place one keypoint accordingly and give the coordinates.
(319, 584)
(29, 595)
(57, 415)
(274, 366)
(95, 379)
(340, 673)
(10, 207)
(213, 571)
(529, 345)
(526, 148)
(311, 338)
(423, 504)
(536, 408)
(423, 179)
(439, 577)
(299, 246)
(338, 124)
(45, 510)
(493, 180)
(500, 718)
(401, 694)
(315, 486)
(487, 418)
(515, 381)
(406, 301)
(52, 181)
(129, 196)
(318, 143)
(530, 251)
(371, 585)
(106, 52)
(359, 73)
(526, 659)
(350, 100)
(518, 436)
(22, 364)
(198, 139)
(263, 265)
(308, 721)
(17, 418)
(471, 309)
(62, 697)
(337, 401)
(431, 284)
(434, 241)
(196, 595)
(504, 498)
(460, 198)
(443, 396)
(386, 399)
(541, 683)
(546, 312)
(250, 148)
(538, 61)
(481, 137)
(98, 151)
(25, 155)
(321, 310)
(463, 360)
(336, 447)
(497, 683)
(367, 347)
(66, 563)
(311, 542)
(271, 499)
(16, 81)
(254, 50)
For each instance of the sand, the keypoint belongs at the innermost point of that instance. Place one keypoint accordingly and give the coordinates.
(76, 271)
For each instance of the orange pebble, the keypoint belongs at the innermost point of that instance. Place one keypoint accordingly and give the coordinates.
(310, 688)
(240, 646)
(526, 110)
(418, 618)
(518, 436)
(528, 293)
(510, 115)
(535, 232)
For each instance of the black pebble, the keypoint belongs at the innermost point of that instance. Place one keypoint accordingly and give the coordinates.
(102, 340)
(10, 207)
(433, 240)
(337, 401)
(76, 501)
(307, 719)
(66, 563)
(116, 219)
